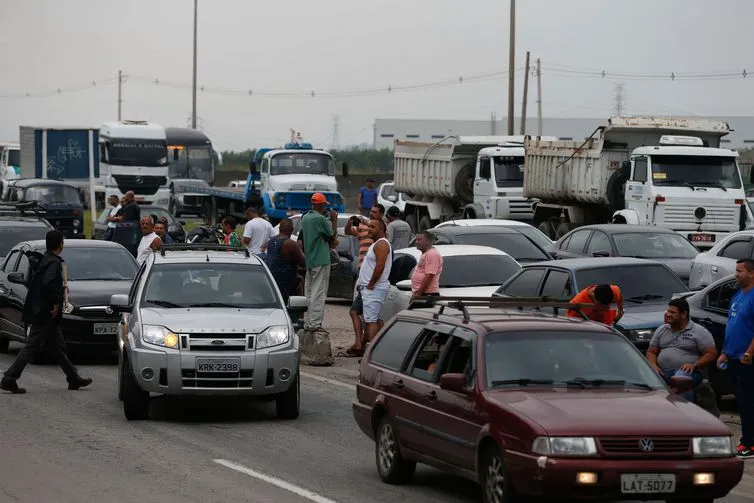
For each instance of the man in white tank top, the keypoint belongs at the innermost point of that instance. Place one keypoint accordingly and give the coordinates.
(150, 241)
(373, 276)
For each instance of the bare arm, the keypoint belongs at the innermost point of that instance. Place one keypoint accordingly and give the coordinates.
(156, 244)
(652, 353)
(708, 356)
(425, 284)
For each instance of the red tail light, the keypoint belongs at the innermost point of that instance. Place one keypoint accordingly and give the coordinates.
(739, 201)
(660, 199)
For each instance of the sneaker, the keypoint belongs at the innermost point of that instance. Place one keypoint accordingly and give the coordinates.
(79, 383)
(745, 453)
(11, 386)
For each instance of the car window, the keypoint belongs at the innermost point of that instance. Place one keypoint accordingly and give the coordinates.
(719, 298)
(638, 283)
(442, 239)
(23, 265)
(654, 245)
(516, 244)
(459, 271)
(388, 190)
(391, 349)
(599, 243)
(558, 285)
(457, 358)
(10, 261)
(135, 284)
(526, 284)
(12, 235)
(99, 263)
(535, 235)
(577, 241)
(403, 265)
(424, 364)
(736, 249)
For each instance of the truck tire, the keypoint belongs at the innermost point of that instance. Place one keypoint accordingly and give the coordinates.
(616, 187)
(464, 184)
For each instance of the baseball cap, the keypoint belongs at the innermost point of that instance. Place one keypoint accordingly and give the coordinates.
(319, 198)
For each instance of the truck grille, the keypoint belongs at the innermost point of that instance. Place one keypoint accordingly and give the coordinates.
(193, 200)
(635, 446)
(141, 185)
(303, 200)
(521, 208)
(211, 342)
(716, 218)
(190, 378)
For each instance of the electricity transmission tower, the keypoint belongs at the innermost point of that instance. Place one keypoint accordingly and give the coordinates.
(618, 99)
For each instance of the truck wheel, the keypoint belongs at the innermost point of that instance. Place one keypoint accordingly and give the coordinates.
(616, 187)
(135, 399)
(288, 403)
(464, 184)
(425, 223)
(411, 221)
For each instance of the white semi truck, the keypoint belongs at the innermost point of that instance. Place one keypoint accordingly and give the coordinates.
(462, 177)
(668, 172)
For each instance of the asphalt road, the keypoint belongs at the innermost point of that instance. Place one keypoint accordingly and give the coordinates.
(65, 446)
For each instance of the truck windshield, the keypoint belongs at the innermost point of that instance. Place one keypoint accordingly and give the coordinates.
(302, 164)
(695, 170)
(134, 152)
(53, 194)
(14, 158)
(193, 162)
(509, 171)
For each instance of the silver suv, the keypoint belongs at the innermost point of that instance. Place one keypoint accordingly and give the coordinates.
(206, 320)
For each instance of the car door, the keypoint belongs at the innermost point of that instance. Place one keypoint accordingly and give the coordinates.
(713, 315)
(7, 326)
(397, 300)
(573, 246)
(526, 283)
(638, 193)
(599, 245)
(484, 183)
(17, 296)
(725, 263)
(557, 285)
(342, 276)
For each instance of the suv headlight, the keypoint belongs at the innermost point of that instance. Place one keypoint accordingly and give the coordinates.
(564, 446)
(273, 336)
(641, 335)
(713, 447)
(159, 336)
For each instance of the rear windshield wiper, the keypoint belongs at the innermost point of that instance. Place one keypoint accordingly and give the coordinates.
(164, 303)
(522, 382)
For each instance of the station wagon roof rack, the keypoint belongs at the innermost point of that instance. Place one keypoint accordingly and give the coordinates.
(21, 208)
(462, 303)
(202, 247)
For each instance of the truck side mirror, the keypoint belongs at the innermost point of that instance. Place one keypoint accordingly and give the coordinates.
(345, 170)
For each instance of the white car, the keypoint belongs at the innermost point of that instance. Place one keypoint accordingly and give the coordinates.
(468, 271)
(528, 230)
(720, 260)
(387, 196)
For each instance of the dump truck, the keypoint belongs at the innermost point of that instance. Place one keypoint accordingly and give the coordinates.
(663, 171)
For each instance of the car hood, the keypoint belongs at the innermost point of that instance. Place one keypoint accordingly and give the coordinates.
(646, 315)
(95, 292)
(214, 319)
(609, 412)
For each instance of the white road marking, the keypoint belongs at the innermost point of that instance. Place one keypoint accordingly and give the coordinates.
(335, 382)
(282, 484)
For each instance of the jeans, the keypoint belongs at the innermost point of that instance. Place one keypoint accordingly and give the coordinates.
(39, 337)
(667, 375)
(742, 378)
(315, 290)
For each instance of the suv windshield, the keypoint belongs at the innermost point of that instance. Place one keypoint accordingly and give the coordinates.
(53, 194)
(638, 283)
(210, 285)
(582, 359)
(516, 245)
(105, 264)
(460, 271)
(14, 235)
(695, 170)
(651, 245)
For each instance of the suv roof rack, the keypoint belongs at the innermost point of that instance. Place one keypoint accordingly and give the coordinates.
(462, 303)
(21, 208)
(202, 247)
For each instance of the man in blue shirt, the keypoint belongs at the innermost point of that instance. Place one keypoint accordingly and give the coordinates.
(367, 197)
(737, 352)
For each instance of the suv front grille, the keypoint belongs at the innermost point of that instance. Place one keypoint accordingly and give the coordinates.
(633, 446)
(217, 342)
(191, 378)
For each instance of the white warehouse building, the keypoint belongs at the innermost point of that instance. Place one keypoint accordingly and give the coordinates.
(386, 131)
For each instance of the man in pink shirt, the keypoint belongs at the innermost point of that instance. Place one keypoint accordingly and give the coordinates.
(426, 277)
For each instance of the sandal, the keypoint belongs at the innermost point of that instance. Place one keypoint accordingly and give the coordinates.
(351, 353)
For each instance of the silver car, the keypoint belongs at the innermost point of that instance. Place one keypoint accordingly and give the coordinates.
(720, 260)
(202, 320)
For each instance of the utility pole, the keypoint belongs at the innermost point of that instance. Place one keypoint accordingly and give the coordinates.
(493, 124)
(120, 92)
(619, 97)
(526, 96)
(193, 87)
(539, 98)
(511, 66)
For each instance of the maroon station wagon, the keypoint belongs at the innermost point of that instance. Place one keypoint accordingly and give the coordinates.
(535, 404)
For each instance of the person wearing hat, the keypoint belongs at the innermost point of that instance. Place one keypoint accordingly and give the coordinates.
(398, 231)
(367, 197)
(318, 235)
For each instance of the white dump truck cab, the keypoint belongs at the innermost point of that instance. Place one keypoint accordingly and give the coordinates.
(499, 182)
(685, 186)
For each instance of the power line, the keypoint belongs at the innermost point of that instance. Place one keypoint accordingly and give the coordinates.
(62, 90)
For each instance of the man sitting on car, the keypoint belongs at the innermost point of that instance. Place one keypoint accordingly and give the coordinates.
(680, 348)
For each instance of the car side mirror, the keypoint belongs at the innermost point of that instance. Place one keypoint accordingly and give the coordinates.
(404, 285)
(392, 198)
(18, 278)
(454, 382)
(297, 304)
(119, 303)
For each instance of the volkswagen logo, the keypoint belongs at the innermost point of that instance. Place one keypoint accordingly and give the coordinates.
(646, 445)
(139, 180)
(109, 310)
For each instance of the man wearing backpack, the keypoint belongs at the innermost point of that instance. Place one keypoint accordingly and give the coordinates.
(43, 313)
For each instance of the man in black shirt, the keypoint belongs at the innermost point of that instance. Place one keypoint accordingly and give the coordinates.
(43, 313)
(130, 212)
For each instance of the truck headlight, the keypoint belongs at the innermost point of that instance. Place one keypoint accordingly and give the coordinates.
(273, 336)
(713, 447)
(159, 336)
(564, 446)
(641, 335)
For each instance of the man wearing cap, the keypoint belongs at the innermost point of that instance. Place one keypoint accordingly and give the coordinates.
(318, 236)
(367, 197)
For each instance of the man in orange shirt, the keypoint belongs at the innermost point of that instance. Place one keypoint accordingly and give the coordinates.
(602, 296)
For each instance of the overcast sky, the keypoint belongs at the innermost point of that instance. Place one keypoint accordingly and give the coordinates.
(342, 46)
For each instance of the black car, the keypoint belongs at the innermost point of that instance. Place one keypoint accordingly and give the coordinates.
(21, 222)
(637, 241)
(64, 208)
(96, 270)
(646, 287)
(175, 226)
(507, 239)
(709, 308)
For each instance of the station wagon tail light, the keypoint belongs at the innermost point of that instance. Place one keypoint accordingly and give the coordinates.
(159, 336)
(273, 336)
(713, 447)
(564, 446)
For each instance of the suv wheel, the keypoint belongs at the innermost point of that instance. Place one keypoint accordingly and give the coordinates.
(288, 403)
(496, 487)
(121, 373)
(135, 399)
(4, 344)
(391, 465)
